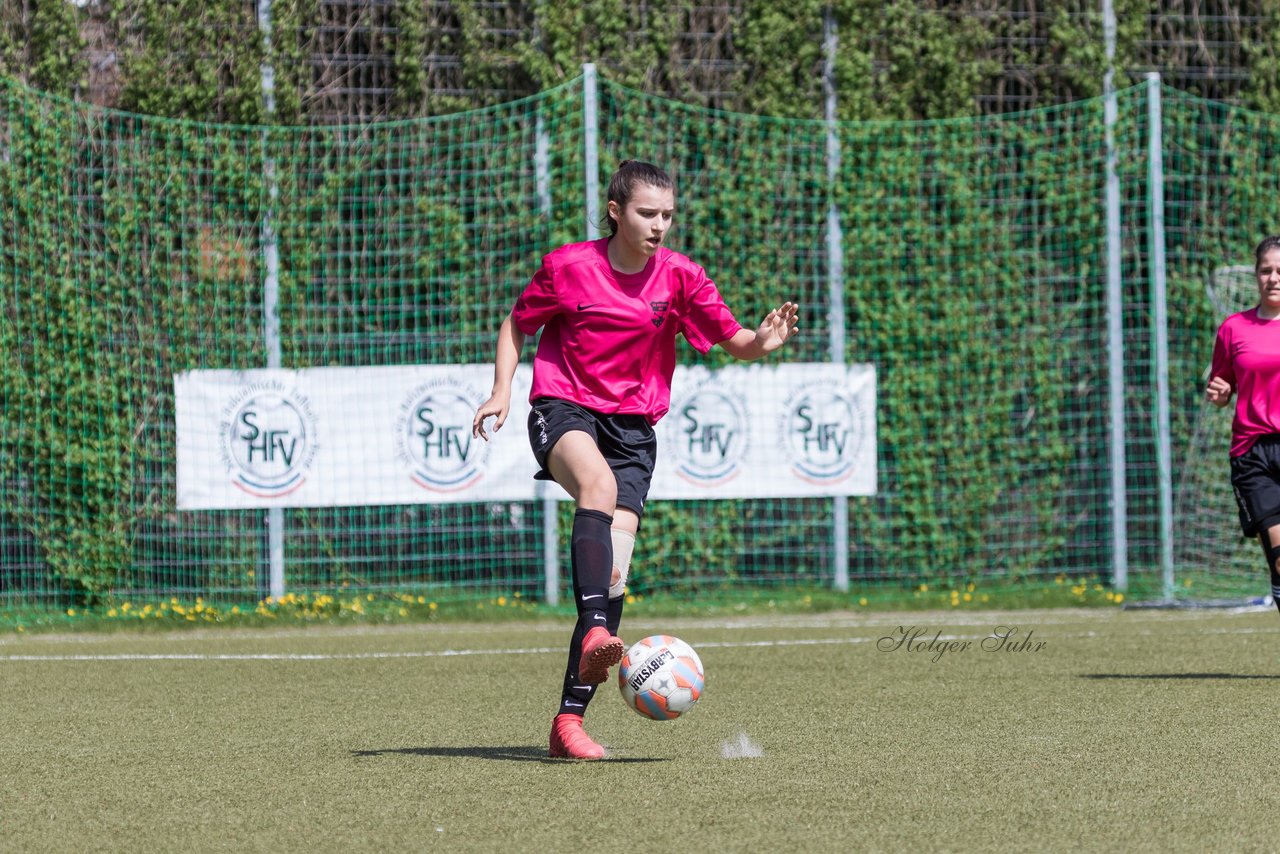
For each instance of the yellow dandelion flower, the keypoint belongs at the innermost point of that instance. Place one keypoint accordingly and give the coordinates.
(71, 612)
(432, 606)
(924, 588)
(968, 597)
(502, 601)
(111, 613)
(1119, 598)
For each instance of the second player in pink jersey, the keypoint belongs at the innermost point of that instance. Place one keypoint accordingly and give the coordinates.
(1246, 364)
(610, 311)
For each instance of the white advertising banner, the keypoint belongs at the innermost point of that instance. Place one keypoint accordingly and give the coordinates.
(324, 437)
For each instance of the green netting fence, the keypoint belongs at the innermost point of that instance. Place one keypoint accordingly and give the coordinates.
(974, 256)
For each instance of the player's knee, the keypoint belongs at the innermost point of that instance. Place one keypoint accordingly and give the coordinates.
(599, 493)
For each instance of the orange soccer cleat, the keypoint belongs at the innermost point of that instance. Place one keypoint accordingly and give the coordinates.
(600, 651)
(570, 741)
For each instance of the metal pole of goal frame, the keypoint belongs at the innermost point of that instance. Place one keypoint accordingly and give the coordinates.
(550, 532)
(835, 284)
(271, 293)
(1160, 325)
(1115, 320)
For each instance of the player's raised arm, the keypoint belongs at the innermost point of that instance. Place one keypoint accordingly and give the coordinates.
(498, 406)
(777, 327)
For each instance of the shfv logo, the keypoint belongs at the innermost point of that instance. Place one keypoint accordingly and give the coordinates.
(434, 437)
(822, 433)
(711, 436)
(269, 439)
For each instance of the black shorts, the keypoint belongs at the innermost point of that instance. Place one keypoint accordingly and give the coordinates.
(1255, 479)
(627, 443)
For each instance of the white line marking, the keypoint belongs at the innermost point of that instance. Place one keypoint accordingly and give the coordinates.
(360, 656)
(545, 650)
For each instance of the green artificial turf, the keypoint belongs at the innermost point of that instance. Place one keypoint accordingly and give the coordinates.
(1105, 730)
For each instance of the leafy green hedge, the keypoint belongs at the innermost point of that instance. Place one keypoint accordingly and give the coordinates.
(902, 59)
(974, 282)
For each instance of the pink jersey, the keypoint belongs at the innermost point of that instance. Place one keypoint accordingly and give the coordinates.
(1246, 354)
(608, 338)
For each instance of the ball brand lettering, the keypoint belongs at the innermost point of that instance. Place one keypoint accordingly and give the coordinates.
(651, 666)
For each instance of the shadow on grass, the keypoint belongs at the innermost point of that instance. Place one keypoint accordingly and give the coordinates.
(1206, 676)
(504, 754)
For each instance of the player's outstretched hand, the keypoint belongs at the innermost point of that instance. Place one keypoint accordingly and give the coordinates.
(779, 325)
(498, 406)
(1218, 391)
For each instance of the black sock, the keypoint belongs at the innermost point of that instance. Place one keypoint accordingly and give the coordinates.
(591, 549)
(592, 552)
(575, 697)
(613, 614)
(1275, 587)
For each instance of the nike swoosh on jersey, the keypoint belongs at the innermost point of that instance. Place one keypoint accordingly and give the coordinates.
(582, 307)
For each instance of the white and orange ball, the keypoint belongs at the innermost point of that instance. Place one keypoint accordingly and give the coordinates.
(661, 677)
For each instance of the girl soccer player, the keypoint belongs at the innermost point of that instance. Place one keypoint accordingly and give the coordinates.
(1246, 362)
(609, 311)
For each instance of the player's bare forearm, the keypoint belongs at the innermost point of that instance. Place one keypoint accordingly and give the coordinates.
(778, 326)
(510, 343)
(498, 406)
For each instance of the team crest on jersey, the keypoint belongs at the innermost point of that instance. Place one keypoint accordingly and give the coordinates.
(659, 312)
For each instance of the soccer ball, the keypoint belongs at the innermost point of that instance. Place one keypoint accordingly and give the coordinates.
(661, 677)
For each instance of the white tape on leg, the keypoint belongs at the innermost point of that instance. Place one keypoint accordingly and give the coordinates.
(624, 543)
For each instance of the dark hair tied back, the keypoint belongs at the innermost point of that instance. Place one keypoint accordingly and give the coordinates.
(1267, 244)
(630, 174)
